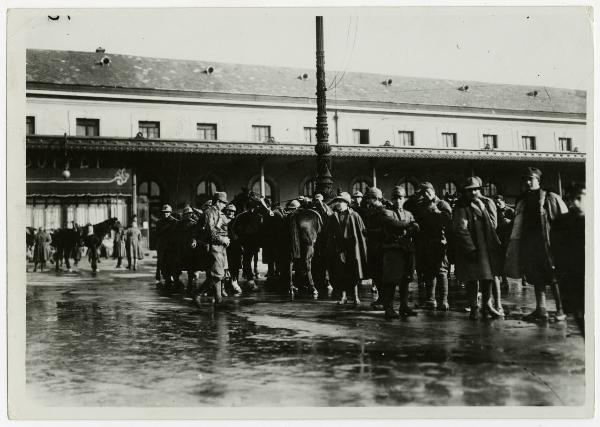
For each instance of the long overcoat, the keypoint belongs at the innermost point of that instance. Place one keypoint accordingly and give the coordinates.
(119, 244)
(41, 247)
(346, 248)
(478, 248)
(551, 207)
(133, 239)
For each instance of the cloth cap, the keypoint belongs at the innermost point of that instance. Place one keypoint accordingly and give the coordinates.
(532, 172)
(166, 208)
(398, 190)
(231, 207)
(426, 186)
(357, 194)
(294, 204)
(374, 193)
(344, 197)
(187, 210)
(498, 197)
(220, 196)
(472, 182)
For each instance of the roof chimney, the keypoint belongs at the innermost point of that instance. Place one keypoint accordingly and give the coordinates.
(533, 93)
(464, 88)
(100, 50)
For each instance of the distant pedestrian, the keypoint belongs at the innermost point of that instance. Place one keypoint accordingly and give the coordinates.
(346, 249)
(133, 239)
(478, 248)
(41, 249)
(529, 249)
(119, 246)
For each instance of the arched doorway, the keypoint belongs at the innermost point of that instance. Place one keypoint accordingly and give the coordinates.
(489, 189)
(206, 189)
(408, 186)
(149, 209)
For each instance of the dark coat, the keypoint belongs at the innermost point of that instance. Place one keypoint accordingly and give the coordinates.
(478, 248)
(119, 244)
(551, 207)
(41, 247)
(346, 247)
(133, 238)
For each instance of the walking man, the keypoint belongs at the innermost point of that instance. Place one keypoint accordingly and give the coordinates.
(478, 248)
(346, 249)
(218, 240)
(434, 217)
(529, 249)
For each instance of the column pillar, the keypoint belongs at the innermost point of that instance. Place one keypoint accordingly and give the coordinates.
(262, 178)
(559, 177)
(133, 193)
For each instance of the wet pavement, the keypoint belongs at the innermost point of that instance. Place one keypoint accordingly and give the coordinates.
(113, 340)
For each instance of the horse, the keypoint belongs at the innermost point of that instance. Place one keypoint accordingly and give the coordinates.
(92, 238)
(305, 225)
(67, 241)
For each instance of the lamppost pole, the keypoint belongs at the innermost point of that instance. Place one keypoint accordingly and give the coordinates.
(323, 149)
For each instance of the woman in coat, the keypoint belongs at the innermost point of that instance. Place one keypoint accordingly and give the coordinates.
(346, 249)
(41, 249)
(478, 248)
(133, 239)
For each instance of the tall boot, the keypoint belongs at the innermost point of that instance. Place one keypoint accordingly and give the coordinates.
(497, 295)
(386, 292)
(216, 285)
(442, 280)
(472, 297)
(430, 301)
(405, 310)
(540, 312)
(560, 314)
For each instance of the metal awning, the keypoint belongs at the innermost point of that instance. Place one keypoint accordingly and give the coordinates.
(107, 144)
(93, 182)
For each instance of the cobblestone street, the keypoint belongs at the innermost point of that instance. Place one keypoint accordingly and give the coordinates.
(112, 339)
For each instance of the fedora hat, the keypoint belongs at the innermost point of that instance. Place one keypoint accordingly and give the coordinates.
(472, 182)
(344, 197)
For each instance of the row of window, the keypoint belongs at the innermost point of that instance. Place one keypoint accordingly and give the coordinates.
(261, 133)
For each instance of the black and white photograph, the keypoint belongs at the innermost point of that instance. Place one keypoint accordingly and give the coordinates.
(385, 208)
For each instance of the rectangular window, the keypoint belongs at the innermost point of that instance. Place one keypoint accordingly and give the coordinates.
(406, 138)
(310, 135)
(30, 125)
(88, 127)
(261, 133)
(449, 140)
(565, 144)
(360, 136)
(528, 143)
(490, 141)
(150, 129)
(206, 131)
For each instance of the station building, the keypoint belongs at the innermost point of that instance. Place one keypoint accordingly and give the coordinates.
(136, 132)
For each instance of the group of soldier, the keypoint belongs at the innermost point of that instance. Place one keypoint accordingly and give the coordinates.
(370, 237)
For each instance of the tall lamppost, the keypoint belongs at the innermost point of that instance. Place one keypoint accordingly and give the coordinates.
(324, 180)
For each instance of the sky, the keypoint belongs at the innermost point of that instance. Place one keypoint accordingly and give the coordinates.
(516, 45)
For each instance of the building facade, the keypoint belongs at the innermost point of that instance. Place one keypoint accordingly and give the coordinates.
(136, 132)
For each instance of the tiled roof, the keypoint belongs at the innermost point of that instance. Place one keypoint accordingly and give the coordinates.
(69, 68)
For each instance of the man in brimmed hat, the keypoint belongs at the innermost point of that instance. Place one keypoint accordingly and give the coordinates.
(357, 204)
(529, 250)
(217, 237)
(164, 226)
(478, 248)
(434, 217)
(346, 248)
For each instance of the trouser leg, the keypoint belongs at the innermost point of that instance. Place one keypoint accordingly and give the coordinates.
(557, 298)
(442, 285)
(430, 285)
(472, 297)
(497, 295)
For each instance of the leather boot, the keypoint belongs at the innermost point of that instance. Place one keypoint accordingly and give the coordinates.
(472, 296)
(442, 280)
(540, 312)
(560, 314)
(216, 284)
(430, 302)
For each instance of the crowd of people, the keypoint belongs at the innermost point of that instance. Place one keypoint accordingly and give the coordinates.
(367, 236)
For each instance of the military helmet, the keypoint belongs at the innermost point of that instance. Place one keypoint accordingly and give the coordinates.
(166, 208)
(374, 193)
(188, 210)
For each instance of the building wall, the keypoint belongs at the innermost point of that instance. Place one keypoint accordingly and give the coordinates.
(234, 123)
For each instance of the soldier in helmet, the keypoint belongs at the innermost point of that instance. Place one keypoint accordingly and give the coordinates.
(393, 231)
(434, 217)
(163, 227)
(215, 225)
(234, 250)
